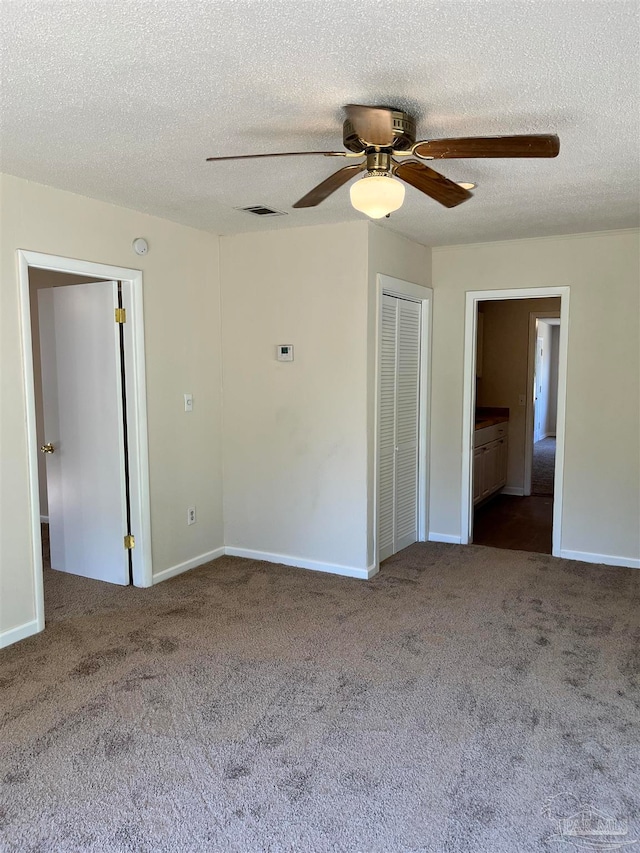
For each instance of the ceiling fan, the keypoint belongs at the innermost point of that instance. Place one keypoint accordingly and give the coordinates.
(385, 137)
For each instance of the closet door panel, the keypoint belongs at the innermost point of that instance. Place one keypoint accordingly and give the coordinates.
(386, 436)
(407, 419)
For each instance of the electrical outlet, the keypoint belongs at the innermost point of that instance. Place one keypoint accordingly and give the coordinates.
(191, 515)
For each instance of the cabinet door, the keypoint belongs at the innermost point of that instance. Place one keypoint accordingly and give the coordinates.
(502, 462)
(491, 464)
(478, 474)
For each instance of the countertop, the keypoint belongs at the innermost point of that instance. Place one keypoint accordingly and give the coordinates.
(489, 415)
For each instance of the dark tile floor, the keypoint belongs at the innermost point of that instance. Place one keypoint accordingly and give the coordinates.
(519, 524)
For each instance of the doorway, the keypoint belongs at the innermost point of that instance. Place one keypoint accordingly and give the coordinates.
(86, 410)
(498, 507)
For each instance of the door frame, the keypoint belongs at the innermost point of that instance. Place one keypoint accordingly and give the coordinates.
(529, 414)
(391, 286)
(136, 409)
(472, 298)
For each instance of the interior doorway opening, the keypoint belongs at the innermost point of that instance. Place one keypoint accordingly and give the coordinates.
(86, 422)
(515, 379)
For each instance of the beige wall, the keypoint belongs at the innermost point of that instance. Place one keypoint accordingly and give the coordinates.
(504, 369)
(181, 300)
(601, 500)
(393, 255)
(295, 433)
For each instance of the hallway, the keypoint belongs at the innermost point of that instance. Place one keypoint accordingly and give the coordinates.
(543, 467)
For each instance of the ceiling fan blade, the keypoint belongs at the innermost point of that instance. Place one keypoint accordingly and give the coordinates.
(372, 124)
(432, 183)
(540, 145)
(330, 185)
(280, 154)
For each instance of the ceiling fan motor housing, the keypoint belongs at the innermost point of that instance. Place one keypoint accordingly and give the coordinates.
(404, 133)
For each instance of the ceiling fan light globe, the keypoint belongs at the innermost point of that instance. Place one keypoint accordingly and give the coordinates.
(377, 195)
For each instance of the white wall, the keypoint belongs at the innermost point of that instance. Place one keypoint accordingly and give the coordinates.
(601, 504)
(554, 357)
(393, 255)
(543, 381)
(295, 434)
(181, 300)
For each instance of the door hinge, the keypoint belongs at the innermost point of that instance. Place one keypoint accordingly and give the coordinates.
(121, 315)
(129, 542)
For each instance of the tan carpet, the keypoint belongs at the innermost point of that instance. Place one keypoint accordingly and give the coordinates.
(251, 707)
(543, 466)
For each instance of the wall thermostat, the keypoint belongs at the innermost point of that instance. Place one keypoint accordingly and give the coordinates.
(285, 352)
(140, 246)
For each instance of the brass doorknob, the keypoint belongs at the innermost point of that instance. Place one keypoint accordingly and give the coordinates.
(47, 448)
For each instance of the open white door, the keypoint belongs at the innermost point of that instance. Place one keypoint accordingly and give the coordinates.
(83, 417)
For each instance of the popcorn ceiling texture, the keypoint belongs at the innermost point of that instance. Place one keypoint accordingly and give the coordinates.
(123, 102)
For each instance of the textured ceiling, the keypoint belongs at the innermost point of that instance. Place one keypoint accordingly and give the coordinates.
(123, 101)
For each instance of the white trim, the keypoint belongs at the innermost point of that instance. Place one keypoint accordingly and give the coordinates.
(44, 519)
(603, 559)
(529, 412)
(136, 410)
(14, 635)
(386, 284)
(516, 491)
(444, 537)
(300, 563)
(172, 571)
(472, 298)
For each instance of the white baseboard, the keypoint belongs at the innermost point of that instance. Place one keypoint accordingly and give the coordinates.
(13, 635)
(172, 571)
(44, 519)
(605, 559)
(517, 491)
(298, 562)
(444, 537)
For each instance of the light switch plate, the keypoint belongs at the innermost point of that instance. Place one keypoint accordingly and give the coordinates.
(188, 402)
(285, 352)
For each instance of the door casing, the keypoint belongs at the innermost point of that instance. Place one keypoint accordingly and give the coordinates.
(136, 409)
(473, 297)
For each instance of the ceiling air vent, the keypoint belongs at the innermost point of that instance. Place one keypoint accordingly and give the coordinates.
(262, 210)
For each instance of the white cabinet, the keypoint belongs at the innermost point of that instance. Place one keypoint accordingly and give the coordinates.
(489, 461)
(478, 457)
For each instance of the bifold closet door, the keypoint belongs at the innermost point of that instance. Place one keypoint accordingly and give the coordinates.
(398, 425)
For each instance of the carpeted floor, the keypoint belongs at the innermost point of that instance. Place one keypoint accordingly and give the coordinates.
(250, 707)
(543, 467)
